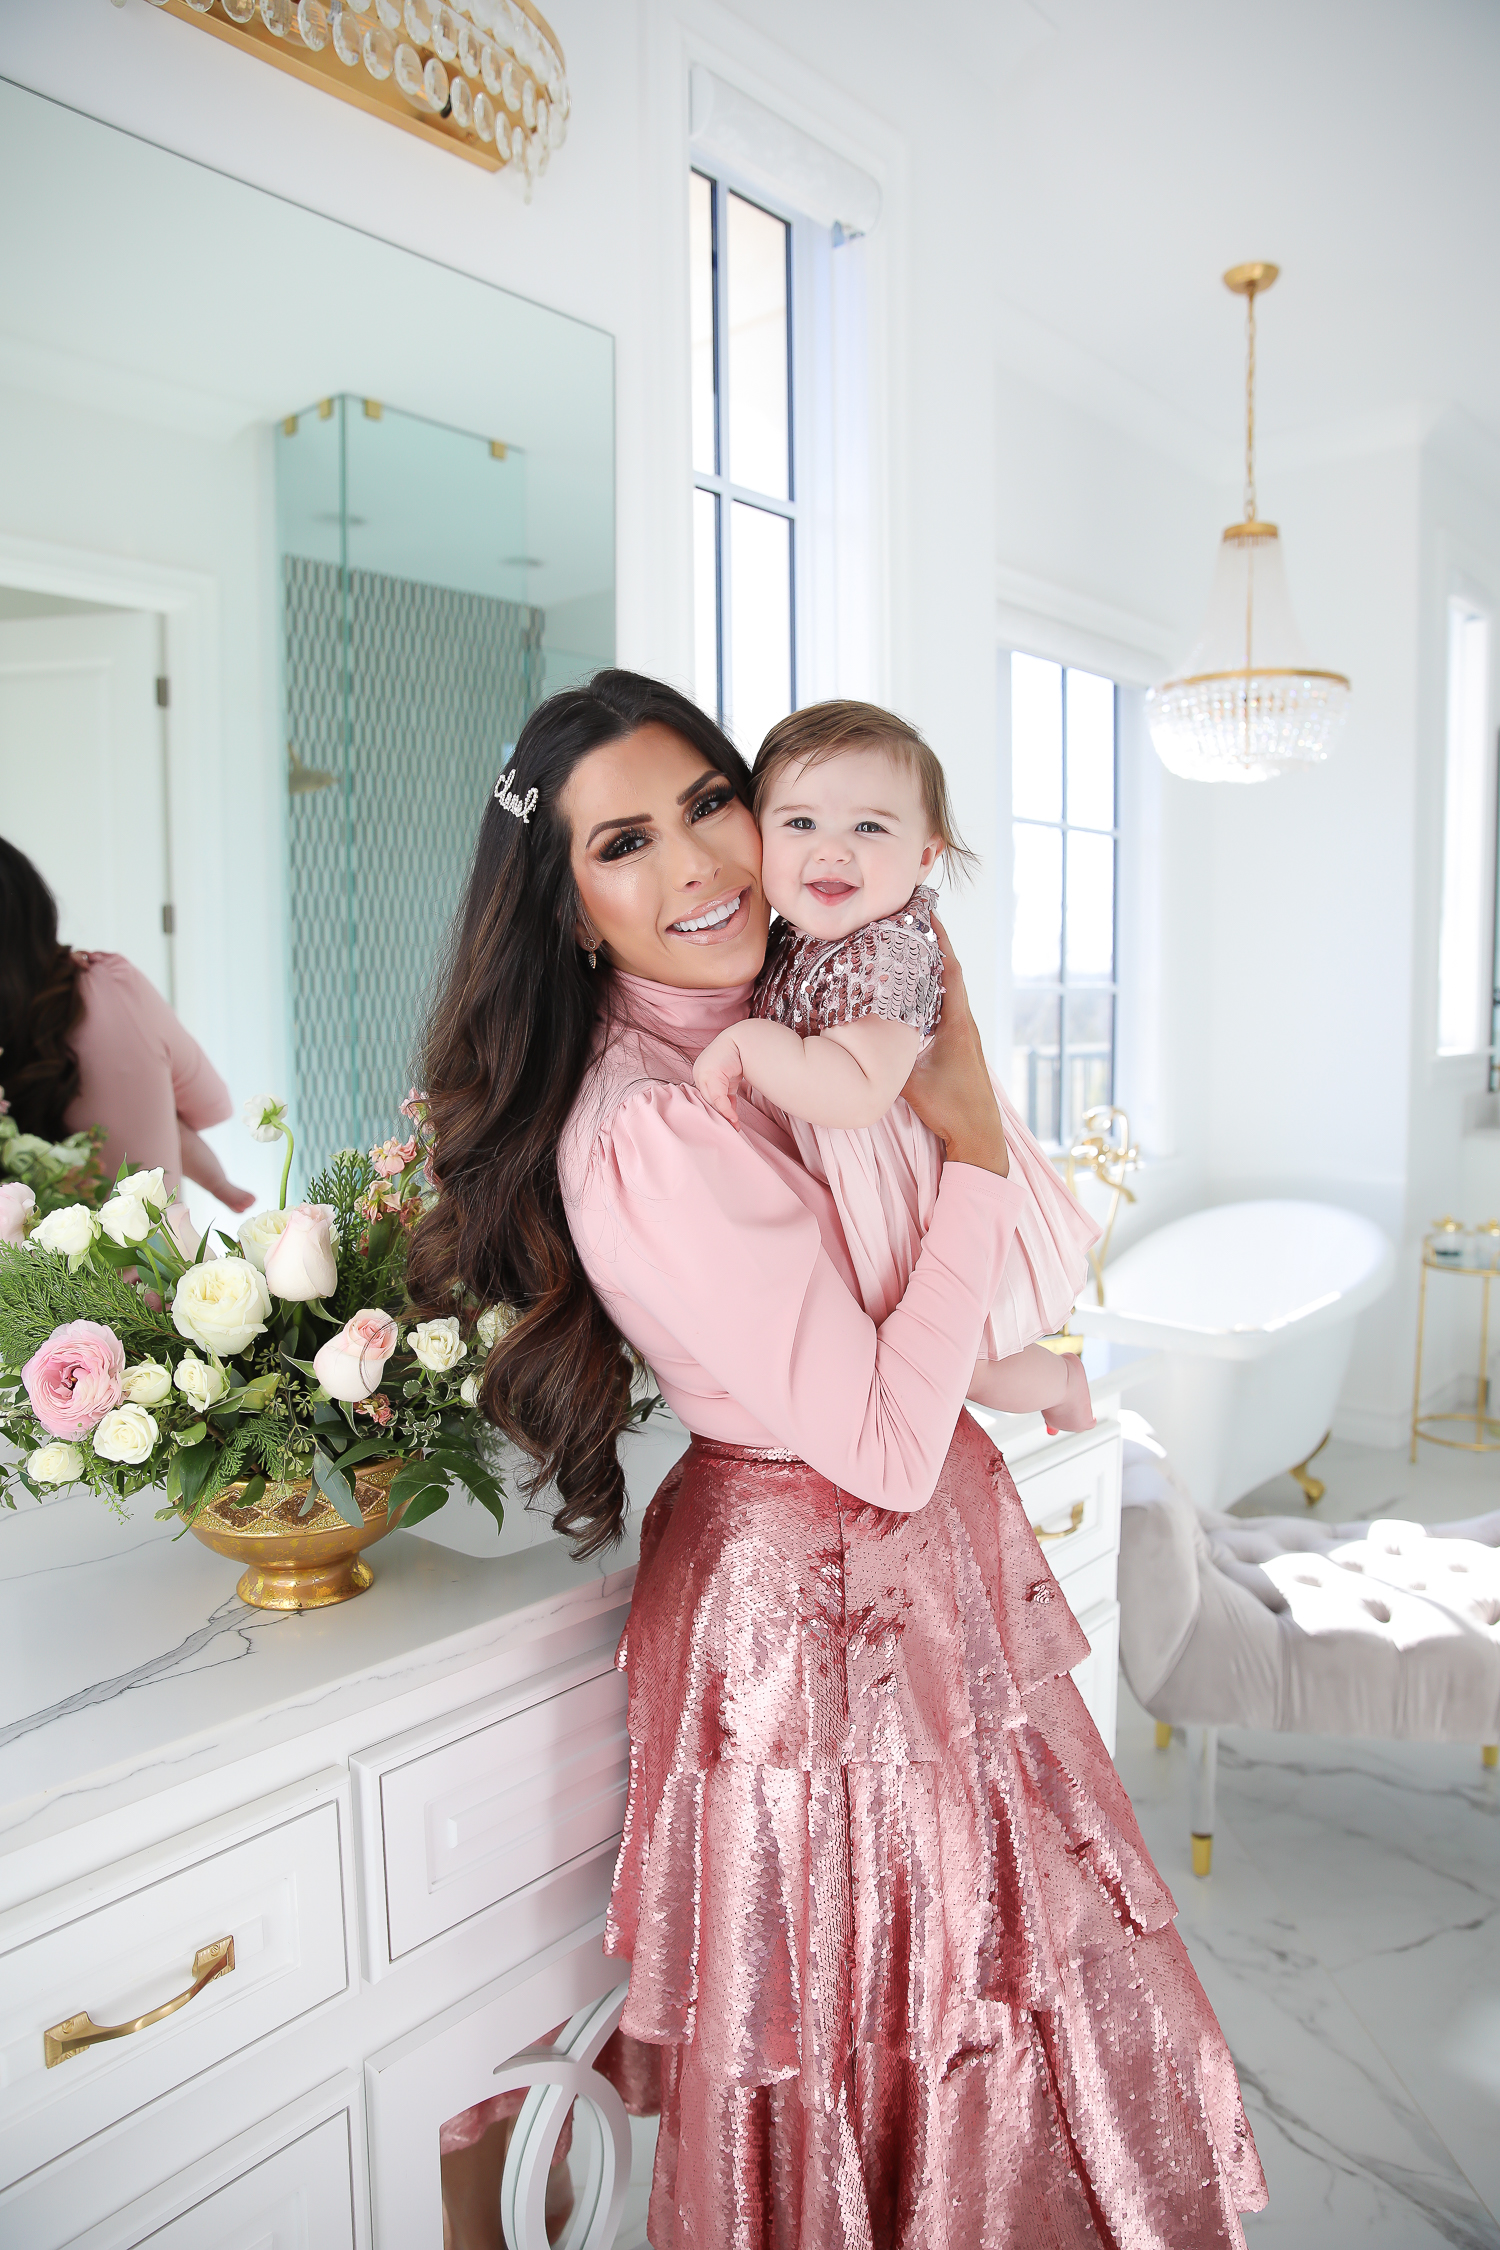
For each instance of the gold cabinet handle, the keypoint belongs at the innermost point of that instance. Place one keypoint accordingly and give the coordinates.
(1074, 1520)
(80, 2032)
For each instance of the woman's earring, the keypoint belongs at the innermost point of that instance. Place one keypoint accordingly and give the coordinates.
(593, 958)
(592, 950)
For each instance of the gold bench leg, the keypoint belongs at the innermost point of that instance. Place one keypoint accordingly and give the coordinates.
(1164, 1735)
(1489, 1755)
(1313, 1487)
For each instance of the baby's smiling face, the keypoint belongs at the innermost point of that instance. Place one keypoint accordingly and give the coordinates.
(847, 840)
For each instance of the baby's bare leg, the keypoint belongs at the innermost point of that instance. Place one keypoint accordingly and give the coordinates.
(1036, 1381)
(1026, 1383)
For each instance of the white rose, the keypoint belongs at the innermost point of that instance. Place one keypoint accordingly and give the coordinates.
(265, 1116)
(438, 1344)
(301, 1263)
(468, 1390)
(146, 1187)
(201, 1384)
(492, 1325)
(68, 1231)
(147, 1383)
(128, 1435)
(258, 1233)
(125, 1218)
(221, 1305)
(56, 1464)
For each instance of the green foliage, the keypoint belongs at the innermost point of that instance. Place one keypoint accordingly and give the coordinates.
(38, 1293)
(57, 1172)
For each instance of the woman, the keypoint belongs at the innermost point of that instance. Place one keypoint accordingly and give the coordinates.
(85, 1039)
(891, 1924)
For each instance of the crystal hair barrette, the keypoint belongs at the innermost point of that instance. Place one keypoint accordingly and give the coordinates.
(522, 807)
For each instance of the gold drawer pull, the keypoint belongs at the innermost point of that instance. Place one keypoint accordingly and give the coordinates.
(79, 2032)
(1074, 1521)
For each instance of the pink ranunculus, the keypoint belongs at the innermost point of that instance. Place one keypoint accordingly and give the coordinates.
(75, 1379)
(300, 1263)
(16, 1206)
(350, 1364)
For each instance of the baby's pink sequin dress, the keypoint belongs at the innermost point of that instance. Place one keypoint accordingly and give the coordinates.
(884, 1177)
(889, 1916)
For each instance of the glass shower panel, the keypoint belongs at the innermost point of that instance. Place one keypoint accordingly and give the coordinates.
(412, 656)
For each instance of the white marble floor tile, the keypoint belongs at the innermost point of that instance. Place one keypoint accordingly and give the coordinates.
(1372, 1480)
(1347, 2109)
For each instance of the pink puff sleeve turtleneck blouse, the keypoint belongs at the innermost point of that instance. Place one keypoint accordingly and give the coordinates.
(719, 1256)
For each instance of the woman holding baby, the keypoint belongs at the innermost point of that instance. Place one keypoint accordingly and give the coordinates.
(891, 1925)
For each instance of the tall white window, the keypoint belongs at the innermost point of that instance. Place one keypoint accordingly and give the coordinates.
(1466, 937)
(745, 496)
(1064, 804)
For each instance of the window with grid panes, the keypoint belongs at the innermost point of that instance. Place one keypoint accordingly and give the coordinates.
(1064, 805)
(744, 497)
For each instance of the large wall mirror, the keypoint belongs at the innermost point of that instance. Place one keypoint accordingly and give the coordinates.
(356, 511)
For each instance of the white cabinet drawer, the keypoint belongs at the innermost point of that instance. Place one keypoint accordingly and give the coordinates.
(296, 2182)
(1098, 1676)
(117, 1945)
(458, 1816)
(1073, 1504)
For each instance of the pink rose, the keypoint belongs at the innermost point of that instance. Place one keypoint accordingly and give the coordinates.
(186, 1233)
(16, 1206)
(75, 1379)
(300, 1263)
(350, 1364)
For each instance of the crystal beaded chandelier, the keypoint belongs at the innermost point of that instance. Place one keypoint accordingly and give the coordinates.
(1247, 705)
(486, 78)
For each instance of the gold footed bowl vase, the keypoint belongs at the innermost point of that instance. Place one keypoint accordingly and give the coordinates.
(297, 1561)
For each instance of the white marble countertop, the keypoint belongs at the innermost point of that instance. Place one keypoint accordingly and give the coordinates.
(124, 1649)
(129, 1663)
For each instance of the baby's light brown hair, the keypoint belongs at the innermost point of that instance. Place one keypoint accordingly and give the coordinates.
(822, 731)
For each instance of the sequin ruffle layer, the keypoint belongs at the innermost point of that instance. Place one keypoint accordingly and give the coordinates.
(888, 1911)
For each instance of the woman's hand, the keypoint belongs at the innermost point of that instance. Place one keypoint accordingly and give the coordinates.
(950, 1088)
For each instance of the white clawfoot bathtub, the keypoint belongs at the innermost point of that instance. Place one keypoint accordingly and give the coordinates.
(1253, 1306)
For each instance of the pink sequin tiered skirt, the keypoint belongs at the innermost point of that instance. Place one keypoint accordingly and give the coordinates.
(886, 1905)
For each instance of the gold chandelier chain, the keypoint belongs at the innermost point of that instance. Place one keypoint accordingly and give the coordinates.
(1250, 407)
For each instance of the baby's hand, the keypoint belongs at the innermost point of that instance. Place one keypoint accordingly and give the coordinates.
(718, 1075)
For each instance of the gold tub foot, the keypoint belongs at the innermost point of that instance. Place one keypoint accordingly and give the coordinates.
(1163, 1735)
(1313, 1487)
(1203, 1855)
(1490, 1754)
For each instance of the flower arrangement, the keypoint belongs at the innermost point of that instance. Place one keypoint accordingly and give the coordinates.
(132, 1354)
(38, 1177)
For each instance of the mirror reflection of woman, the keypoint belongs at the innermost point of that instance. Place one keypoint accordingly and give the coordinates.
(86, 1039)
(913, 1978)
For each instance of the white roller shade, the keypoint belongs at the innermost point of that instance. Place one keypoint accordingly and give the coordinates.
(768, 152)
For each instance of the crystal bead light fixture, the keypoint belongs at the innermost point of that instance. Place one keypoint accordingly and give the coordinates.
(1247, 704)
(486, 78)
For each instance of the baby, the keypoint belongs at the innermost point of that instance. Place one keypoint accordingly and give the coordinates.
(853, 808)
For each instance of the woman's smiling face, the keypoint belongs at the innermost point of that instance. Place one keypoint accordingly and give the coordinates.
(667, 863)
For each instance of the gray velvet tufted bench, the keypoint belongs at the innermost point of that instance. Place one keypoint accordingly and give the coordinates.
(1384, 1629)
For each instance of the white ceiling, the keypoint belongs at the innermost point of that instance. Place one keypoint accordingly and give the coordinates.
(1140, 149)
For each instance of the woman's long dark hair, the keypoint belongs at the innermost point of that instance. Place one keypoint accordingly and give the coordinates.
(40, 1001)
(507, 1047)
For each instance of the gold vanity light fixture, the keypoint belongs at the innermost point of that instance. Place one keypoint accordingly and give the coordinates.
(1247, 704)
(485, 78)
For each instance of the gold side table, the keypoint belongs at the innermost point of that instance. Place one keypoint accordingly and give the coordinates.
(1443, 1252)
